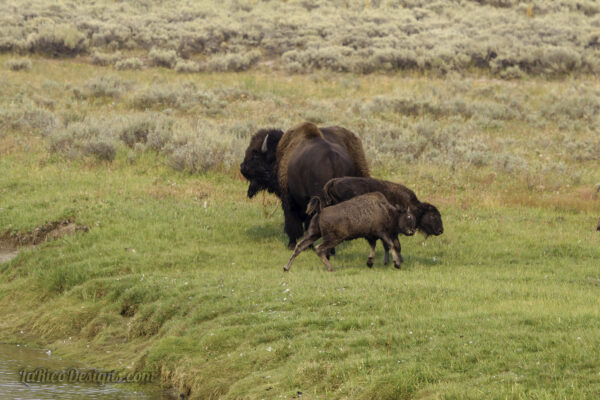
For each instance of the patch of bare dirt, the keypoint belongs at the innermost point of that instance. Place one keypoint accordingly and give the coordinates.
(11, 241)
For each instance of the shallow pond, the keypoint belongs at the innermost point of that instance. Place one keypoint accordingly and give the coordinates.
(15, 358)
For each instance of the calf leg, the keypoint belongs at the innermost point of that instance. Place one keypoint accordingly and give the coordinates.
(330, 252)
(304, 243)
(398, 248)
(386, 254)
(322, 252)
(324, 248)
(386, 239)
(312, 234)
(372, 243)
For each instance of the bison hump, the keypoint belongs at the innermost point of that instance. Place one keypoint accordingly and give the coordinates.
(290, 140)
(294, 137)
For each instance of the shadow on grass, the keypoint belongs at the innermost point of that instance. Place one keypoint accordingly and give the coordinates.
(267, 230)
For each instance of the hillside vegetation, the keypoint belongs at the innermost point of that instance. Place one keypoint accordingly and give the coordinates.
(509, 38)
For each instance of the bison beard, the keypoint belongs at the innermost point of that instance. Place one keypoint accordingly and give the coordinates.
(295, 165)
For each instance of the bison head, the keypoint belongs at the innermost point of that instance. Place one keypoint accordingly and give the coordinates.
(259, 165)
(430, 221)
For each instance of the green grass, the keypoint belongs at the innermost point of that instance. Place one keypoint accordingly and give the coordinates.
(503, 305)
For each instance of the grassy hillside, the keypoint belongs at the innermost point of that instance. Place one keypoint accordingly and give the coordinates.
(181, 274)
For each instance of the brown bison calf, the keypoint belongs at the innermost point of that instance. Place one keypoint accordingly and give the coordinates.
(428, 218)
(368, 216)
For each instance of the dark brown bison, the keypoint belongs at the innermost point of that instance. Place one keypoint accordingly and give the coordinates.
(295, 165)
(368, 216)
(429, 219)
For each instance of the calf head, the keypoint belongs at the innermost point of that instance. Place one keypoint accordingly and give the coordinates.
(259, 165)
(407, 222)
(430, 221)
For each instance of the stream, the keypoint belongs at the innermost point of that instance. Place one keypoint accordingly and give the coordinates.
(14, 358)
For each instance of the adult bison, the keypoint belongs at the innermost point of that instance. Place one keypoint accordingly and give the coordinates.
(295, 166)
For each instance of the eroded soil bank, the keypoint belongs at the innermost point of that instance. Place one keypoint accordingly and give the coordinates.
(11, 241)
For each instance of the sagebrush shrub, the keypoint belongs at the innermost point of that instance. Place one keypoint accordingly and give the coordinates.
(129, 63)
(162, 57)
(104, 86)
(57, 40)
(19, 64)
(187, 66)
(105, 59)
(84, 139)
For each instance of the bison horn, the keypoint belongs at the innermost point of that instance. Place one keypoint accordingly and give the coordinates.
(263, 148)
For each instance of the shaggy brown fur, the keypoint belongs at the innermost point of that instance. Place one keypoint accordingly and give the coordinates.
(290, 140)
(369, 216)
(297, 135)
(295, 166)
(353, 145)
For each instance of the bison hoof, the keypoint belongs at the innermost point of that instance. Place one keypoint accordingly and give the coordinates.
(285, 269)
(398, 266)
(370, 263)
(291, 245)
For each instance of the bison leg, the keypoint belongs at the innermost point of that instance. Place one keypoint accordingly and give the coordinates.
(324, 248)
(398, 248)
(322, 252)
(386, 254)
(303, 245)
(292, 224)
(372, 243)
(386, 239)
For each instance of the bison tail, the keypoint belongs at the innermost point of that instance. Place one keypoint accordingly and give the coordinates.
(327, 195)
(314, 206)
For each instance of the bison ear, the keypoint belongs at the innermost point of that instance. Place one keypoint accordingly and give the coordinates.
(264, 146)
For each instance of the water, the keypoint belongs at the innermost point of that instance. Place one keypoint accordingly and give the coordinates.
(7, 254)
(14, 358)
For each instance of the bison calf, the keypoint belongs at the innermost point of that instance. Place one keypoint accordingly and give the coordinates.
(429, 219)
(368, 216)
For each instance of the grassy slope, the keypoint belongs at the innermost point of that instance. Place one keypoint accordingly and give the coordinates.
(503, 305)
